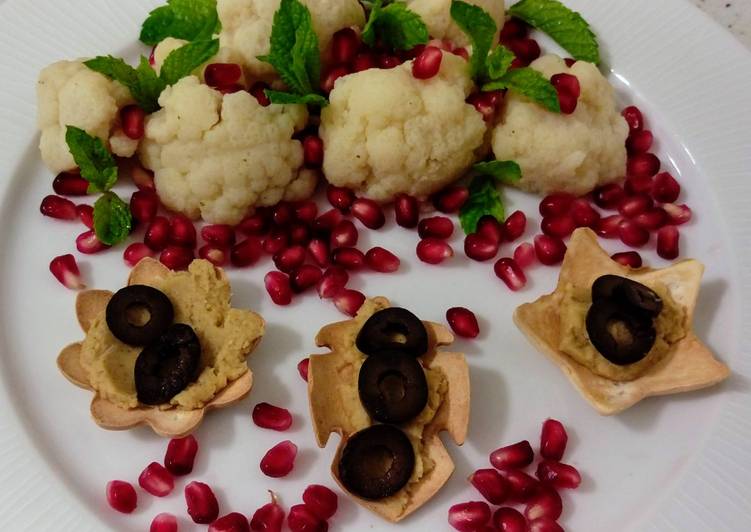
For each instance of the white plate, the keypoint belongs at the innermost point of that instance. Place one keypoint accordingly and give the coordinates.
(675, 463)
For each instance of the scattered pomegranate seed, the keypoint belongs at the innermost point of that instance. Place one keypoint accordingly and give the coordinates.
(363, 61)
(549, 250)
(560, 226)
(349, 301)
(246, 253)
(181, 455)
(632, 206)
(312, 146)
(221, 235)
(513, 456)
(321, 501)
(306, 211)
(512, 29)
(156, 480)
(607, 227)
(215, 255)
(382, 260)
(665, 188)
(279, 460)
(428, 63)
(135, 252)
(278, 287)
(302, 368)
(652, 219)
(70, 184)
(435, 227)
(164, 522)
(642, 165)
(632, 259)
(319, 250)
(568, 88)
(305, 277)
(508, 271)
(282, 214)
(634, 118)
(276, 241)
(407, 211)
(523, 486)
(88, 243)
(58, 207)
(556, 204)
(329, 80)
(222, 75)
(479, 248)
(632, 234)
(333, 281)
(461, 52)
(433, 251)
(639, 141)
(491, 485)
(182, 231)
(368, 212)
(157, 234)
(608, 196)
(289, 259)
(638, 185)
(463, 322)
(469, 516)
(344, 234)
(452, 199)
(558, 475)
(234, 522)
(490, 228)
(302, 519)
(143, 205)
(387, 62)
(525, 49)
(299, 233)
(203, 507)
(583, 214)
(86, 214)
(258, 90)
(509, 520)
(121, 496)
(339, 197)
(176, 257)
(668, 242)
(344, 46)
(328, 220)
(515, 225)
(544, 525)
(133, 119)
(546, 503)
(269, 517)
(142, 178)
(553, 440)
(483, 104)
(679, 214)
(524, 255)
(348, 258)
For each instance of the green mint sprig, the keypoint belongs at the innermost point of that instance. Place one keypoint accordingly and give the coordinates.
(189, 20)
(480, 28)
(530, 83)
(484, 198)
(112, 219)
(395, 25)
(97, 165)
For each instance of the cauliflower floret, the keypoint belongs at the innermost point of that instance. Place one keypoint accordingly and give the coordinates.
(246, 27)
(71, 94)
(386, 132)
(565, 153)
(218, 156)
(437, 17)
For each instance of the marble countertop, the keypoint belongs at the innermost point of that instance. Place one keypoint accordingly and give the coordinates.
(733, 14)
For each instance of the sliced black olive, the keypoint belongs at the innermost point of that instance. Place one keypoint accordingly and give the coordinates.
(168, 366)
(393, 387)
(393, 328)
(627, 291)
(129, 304)
(621, 333)
(377, 462)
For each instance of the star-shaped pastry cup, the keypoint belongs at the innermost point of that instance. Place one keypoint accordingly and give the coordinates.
(330, 415)
(690, 365)
(173, 422)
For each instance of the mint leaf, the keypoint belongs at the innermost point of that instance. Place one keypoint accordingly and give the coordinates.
(112, 219)
(480, 28)
(143, 83)
(484, 199)
(186, 59)
(97, 165)
(279, 97)
(182, 19)
(565, 26)
(397, 26)
(530, 83)
(507, 172)
(499, 61)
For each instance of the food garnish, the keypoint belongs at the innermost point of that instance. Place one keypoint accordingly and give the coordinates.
(484, 198)
(190, 20)
(395, 25)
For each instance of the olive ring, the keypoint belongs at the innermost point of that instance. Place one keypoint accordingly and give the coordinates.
(156, 303)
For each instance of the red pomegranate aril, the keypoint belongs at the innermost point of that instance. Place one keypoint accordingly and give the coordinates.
(59, 208)
(556, 204)
(319, 250)
(215, 255)
(299, 234)
(638, 185)
(567, 103)
(570, 61)
(632, 234)
(368, 212)
(386, 61)
(668, 242)
(70, 184)
(349, 301)
(275, 241)
(321, 501)
(279, 288)
(482, 105)
(258, 90)
(268, 518)
(544, 525)
(553, 440)
(469, 516)
(133, 119)
(558, 475)
(279, 460)
(549, 249)
(678, 214)
(560, 226)
(452, 199)
(491, 485)
(546, 503)
(290, 258)
(142, 178)
(332, 282)
(329, 80)
(461, 52)
(634, 118)
(407, 211)
(428, 63)
(665, 188)
(583, 214)
(508, 271)
(479, 248)
(382, 260)
(607, 227)
(164, 522)
(122, 496)
(632, 259)
(272, 417)
(513, 456)
(328, 220)
(509, 520)
(302, 368)
(246, 253)
(348, 258)
(176, 257)
(639, 141)
(181, 455)
(463, 322)
(88, 243)
(344, 46)
(514, 28)
(312, 146)
(143, 205)
(305, 277)
(86, 214)
(222, 75)
(634, 205)
(340, 197)
(652, 219)
(491, 229)
(135, 252)
(525, 49)
(182, 231)
(642, 165)
(608, 196)
(203, 507)
(302, 519)
(435, 227)
(514, 226)
(282, 214)
(156, 480)
(344, 235)
(234, 522)
(158, 233)
(567, 83)
(523, 486)
(524, 255)
(433, 251)
(363, 61)
(220, 234)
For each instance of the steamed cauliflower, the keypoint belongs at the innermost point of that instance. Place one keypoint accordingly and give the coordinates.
(219, 156)
(564, 153)
(246, 27)
(386, 132)
(437, 17)
(71, 94)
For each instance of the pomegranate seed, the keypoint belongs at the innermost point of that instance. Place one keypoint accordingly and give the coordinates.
(182, 231)
(302, 368)
(344, 235)
(428, 63)
(142, 178)
(544, 525)
(215, 255)
(348, 258)
(387, 62)
(407, 211)
(642, 165)
(59, 208)
(491, 485)
(461, 52)
(299, 234)
(491, 229)
(276, 241)
(302, 519)
(70, 184)
(157, 235)
(525, 49)
(268, 518)
(632, 259)
(483, 104)
(278, 287)
(570, 61)
(258, 90)
(608, 196)
(176, 257)
(203, 507)
(513, 456)
(668, 239)
(433, 251)
(524, 255)
(634, 205)
(463, 322)
(321, 501)
(514, 28)
(220, 235)
(515, 225)
(631, 234)
(678, 214)
(88, 243)
(333, 280)
(560, 226)
(509, 520)
(363, 61)
(639, 142)
(549, 249)
(86, 214)
(133, 119)
(306, 211)
(279, 460)
(567, 103)
(328, 220)
(319, 250)
(234, 522)
(290, 258)
(312, 147)
(282, 214)
(452, 199)
(556, 204)
(349, 301)
(634, 118)
(546, 503)
(638, 185)
(553, 440)
(665, 188)
(344, 46)
(329, 80)
(567, 83)
(479, 248)
(382, 260)
(608, 227)
(121, 496)
(523, 486)
(369, 213)
(558, 475)
(156, 480)
(246, 253)
(222, 75)
(469, 516)
(180, 455)
(135, 252)
(508, 271)
(164, 522)
(652, 219)
(304, 277)
(435, 227)
(143, 205)
(583, 214)
(340, 197)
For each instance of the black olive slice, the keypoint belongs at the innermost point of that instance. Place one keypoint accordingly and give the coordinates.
(376, 462)
(627, 291)
(393, 387)
(168, 366)
(123, 309)
(393, 328)
(621, 333)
